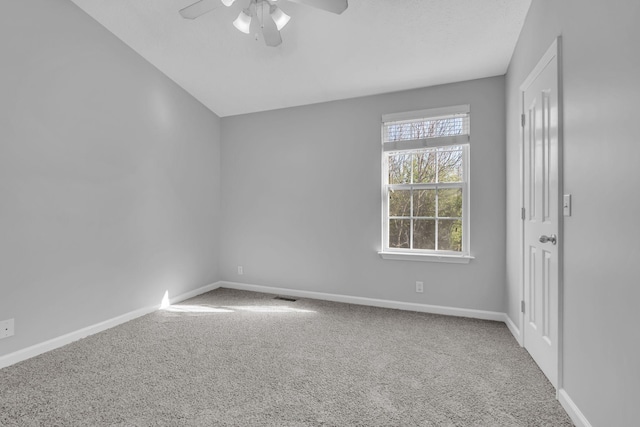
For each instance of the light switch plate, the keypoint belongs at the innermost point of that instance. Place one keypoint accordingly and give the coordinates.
(566, 204)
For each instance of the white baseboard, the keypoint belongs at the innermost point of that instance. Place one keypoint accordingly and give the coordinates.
(194, 293)
(424, 308)
(63, 340)
(575, 414)
(515, 331)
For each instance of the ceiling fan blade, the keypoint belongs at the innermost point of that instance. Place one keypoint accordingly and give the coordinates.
(271, 34)
(334, 6)
(270, 31)
(199, 8)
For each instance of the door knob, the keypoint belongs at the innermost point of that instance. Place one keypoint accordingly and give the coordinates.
(553, 239)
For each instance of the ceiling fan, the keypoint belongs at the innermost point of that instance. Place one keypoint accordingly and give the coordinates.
(263, 13)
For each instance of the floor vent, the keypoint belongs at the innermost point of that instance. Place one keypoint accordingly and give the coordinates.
(285, 299)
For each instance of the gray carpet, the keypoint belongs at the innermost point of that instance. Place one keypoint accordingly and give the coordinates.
(239, 358)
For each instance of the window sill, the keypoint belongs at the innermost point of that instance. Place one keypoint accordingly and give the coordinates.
(404, 256)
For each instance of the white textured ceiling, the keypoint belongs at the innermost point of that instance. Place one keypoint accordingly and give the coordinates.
(375, 46)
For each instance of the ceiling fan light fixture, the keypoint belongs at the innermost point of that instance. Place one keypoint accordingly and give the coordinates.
(279, 17)
(243, 22)
(269, 18)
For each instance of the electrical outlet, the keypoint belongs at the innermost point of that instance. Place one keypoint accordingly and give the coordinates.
(419, 287)
(6, 328)
(240, 270)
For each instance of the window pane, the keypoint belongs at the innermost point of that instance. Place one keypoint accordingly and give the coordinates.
(399, 233)
(450, 202)
(400, 203)
(424, 203)
(450, 235)
(400, 168)
(450, 164)
(446, 127)
(424, 234)
(424, 166)
(428, 127)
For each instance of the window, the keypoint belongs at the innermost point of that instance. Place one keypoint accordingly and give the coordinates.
(425, 184)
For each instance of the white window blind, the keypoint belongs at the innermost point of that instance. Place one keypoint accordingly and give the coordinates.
(426, 128)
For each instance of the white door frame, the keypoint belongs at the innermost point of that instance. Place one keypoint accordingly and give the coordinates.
(553, 51)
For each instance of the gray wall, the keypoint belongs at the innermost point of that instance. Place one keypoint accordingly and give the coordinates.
(109, 176)
(301, 192)
(601, 288)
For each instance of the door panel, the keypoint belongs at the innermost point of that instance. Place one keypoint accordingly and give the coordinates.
(541, 202)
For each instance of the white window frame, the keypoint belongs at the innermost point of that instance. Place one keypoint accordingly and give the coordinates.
(414, 145)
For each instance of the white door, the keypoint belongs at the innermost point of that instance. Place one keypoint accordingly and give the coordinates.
(541, 215)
